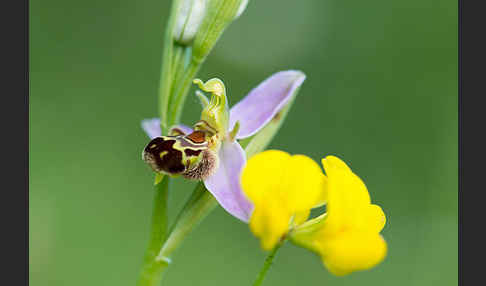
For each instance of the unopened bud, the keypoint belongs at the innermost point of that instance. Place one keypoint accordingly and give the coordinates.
(189, 18)
(220, 13)
(242, 8)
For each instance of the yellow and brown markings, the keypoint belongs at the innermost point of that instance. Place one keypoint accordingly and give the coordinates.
(163, 157)
(175, 154)
(191, 152)
(176, 131)
(203, 125)
(197, 136)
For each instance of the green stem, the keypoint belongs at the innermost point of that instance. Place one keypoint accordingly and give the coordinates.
(267, 264)
(178, 98)
(199, 205)
(178, 68)
(152, 268)
(178, 53)
(166, 74)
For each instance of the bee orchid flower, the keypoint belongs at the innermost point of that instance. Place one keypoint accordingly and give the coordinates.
(210, 150)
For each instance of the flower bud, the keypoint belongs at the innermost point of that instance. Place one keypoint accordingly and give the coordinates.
(242, 8)
(189, 18)
(220, 13)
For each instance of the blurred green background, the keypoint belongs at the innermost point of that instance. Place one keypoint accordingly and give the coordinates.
(381, 92)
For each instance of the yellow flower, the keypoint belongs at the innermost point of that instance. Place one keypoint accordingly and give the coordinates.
(283, 189)
(347, 236)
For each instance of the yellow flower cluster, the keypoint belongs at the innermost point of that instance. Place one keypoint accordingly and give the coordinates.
(284, 188)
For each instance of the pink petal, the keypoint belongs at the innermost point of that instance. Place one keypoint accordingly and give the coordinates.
(152, 127)
(264, 102)
(224, 184)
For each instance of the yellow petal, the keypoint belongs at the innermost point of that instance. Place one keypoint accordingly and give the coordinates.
(281, 187)
(263, 174)
(334, 163)
(373, 219)
(347, 195)
(300, 217)
(347, 238)
(303, 184)
(269, 224)
(352, 251)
